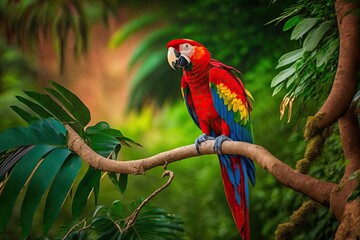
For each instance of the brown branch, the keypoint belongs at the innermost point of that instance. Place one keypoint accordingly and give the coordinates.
(350, 139)
(346, 78)
(130, 221)
(282, 172)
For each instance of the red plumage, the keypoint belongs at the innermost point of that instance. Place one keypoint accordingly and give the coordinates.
(220, 105)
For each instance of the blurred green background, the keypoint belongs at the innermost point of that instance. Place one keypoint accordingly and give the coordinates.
(121, 74)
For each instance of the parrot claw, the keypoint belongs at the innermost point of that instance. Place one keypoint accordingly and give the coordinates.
(219, 141)
(202, 138)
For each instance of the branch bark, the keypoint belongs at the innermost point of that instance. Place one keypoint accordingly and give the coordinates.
(350, 139)
(286, 175)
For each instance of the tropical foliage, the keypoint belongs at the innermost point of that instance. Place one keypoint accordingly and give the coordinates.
(36, 159)
(111, 222)
(309, 70)
(234, 32)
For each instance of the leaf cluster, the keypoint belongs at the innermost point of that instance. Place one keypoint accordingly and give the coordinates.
(48, 165)
(151, 223)
(308, 71)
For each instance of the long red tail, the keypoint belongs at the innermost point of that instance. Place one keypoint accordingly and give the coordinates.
(235, 180)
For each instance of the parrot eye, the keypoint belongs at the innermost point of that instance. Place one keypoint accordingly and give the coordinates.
(186, 49)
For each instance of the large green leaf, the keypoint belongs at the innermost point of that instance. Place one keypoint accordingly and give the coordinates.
(42, 112)
(119, 180)
(17, 179)
(52, 106)
(73, 104)
(59, 190)
(24, 114)
(103, 144)
(102, 128)
(45, 131)
(315, 36)
(38, 185)
(303, 27)
(89, 182)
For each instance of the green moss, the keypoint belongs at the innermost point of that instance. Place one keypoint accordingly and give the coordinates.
(297, 219)
(284, 231)
(315, 146)
(312, 126)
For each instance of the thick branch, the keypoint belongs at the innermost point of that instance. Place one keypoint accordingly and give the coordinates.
(282, 172)
(350, 139)
(346, 78)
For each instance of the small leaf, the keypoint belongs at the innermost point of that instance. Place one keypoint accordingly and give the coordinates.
(291, 80)
(87, 183)
(290, 57)
(59, 190)
(40, 181)
(123, 180)
(277, 89)
(303, 27)
(324, 55)
(315, 36)
(291, 22)
(283, 75)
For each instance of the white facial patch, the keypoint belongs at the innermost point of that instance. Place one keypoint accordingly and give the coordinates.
(186, 49)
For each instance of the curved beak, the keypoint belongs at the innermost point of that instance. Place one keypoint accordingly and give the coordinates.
(176, 59)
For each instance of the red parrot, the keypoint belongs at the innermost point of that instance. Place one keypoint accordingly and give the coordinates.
(220, 106)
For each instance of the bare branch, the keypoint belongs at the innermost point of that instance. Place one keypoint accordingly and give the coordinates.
(281, 171)
(132, 218)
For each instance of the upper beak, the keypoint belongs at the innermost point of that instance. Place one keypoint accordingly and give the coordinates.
(176, 59)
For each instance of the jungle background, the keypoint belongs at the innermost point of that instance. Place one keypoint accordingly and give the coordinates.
(122, 75)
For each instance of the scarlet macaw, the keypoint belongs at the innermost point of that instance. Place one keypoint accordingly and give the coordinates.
(220, 106)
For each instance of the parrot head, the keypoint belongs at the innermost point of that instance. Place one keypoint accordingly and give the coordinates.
(187, 54)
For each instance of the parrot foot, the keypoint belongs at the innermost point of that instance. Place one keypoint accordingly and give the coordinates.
(219, 141)
(202, 138)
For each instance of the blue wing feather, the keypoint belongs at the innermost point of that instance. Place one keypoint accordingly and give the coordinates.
(238, 132)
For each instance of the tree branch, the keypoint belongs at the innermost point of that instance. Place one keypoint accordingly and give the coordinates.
(350, 140)
(286, 175)
(346, 78)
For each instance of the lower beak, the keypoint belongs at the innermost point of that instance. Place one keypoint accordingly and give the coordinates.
(176, 59)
